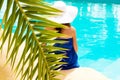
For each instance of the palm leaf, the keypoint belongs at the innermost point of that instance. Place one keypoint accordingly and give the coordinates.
(35, 61)
(1, 3)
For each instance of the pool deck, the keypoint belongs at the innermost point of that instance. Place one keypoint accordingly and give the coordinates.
(82, 73)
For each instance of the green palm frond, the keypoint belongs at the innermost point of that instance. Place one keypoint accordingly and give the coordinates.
(0, 27)
(35, 63)
(1, 3)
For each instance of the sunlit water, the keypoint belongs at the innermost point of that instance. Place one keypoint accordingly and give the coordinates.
(98, 36)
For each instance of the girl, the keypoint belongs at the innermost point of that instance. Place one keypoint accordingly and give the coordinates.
(68, 15)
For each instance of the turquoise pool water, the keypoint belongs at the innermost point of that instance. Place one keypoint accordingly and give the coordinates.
(98, 36)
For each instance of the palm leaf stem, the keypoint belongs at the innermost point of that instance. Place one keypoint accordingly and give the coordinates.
(33, 33)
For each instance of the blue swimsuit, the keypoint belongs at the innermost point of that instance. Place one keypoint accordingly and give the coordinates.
(72, 60)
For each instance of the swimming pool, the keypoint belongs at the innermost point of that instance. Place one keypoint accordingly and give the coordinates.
(98, 29)
(98, 37)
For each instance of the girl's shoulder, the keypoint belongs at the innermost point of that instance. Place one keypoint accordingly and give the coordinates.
(72, 29)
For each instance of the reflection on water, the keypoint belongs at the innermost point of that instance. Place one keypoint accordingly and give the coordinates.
(98, 30)
(98, 36)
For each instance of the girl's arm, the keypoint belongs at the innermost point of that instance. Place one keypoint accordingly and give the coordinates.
(74, 40)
